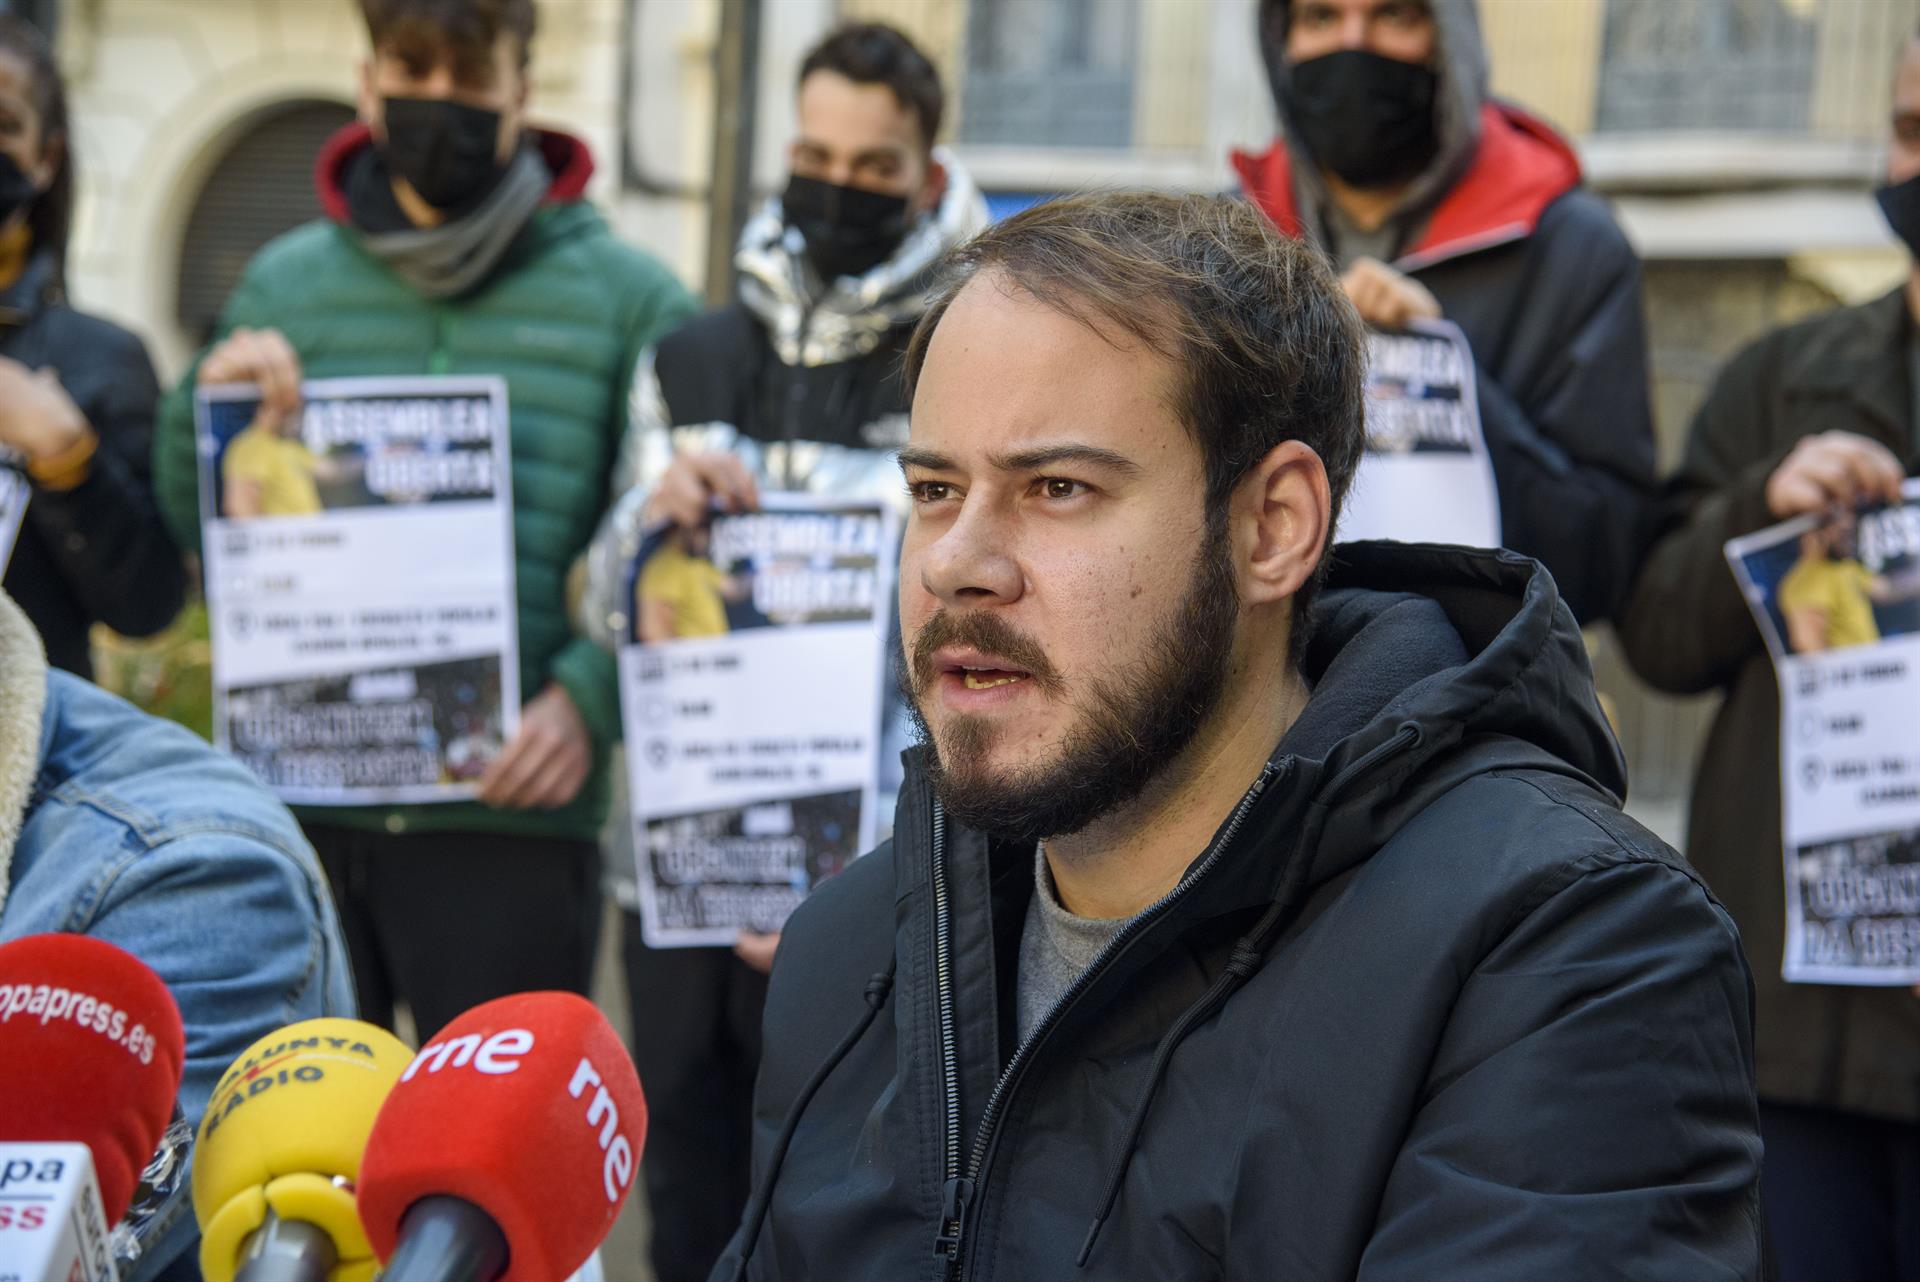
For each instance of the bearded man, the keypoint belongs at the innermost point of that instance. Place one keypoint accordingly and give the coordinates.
(1244, 917)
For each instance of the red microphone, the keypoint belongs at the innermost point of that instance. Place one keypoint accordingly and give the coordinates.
(91, 1052)
(506, 1148)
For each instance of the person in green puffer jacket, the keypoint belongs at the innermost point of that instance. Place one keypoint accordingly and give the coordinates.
(457, 241)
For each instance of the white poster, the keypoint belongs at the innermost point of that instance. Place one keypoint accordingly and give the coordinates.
(15, 490)
(360, 586)
(751, 691)
(1425, 477)
(1838, 600)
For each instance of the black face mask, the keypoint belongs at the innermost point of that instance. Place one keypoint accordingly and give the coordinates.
(1900, 202)
(1370, 119)
(16, 189)
(848, 232)
(444, 149)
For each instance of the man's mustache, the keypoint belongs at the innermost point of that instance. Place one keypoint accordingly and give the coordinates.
(984, 632)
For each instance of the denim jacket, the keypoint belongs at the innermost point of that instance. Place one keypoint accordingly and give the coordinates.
(130, 829)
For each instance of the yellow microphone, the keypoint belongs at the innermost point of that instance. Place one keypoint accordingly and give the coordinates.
(279, 1153)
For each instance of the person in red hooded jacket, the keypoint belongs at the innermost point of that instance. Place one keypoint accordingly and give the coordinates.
(1436, 201)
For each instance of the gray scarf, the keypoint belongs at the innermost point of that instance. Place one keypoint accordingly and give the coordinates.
(451, 259)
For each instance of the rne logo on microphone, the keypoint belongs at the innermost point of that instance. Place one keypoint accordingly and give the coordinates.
(617, 1171)
(497, 1055)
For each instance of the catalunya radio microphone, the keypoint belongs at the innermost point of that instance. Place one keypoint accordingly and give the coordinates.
(91, 1051)
(279, 1151)
(507, 1147)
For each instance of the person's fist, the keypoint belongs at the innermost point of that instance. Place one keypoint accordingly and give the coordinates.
(1833, 469)
(757, 950)
(1385, 298)
(547, 762)
(37, 417)
(692, 481)
(262, 356)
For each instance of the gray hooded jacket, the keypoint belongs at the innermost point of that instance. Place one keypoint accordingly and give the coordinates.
(1532, 268)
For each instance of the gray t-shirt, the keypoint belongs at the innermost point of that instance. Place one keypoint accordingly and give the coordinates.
(1056, 947)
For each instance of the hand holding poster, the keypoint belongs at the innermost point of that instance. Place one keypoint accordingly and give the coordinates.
(1838, 600)
(1425, 477)
(359, 558)
(751, 694)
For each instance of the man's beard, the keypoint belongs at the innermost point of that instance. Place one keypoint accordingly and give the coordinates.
(1128, 730)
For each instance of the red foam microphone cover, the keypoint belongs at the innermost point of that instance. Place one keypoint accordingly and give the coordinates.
(526, 1106)
(90, 1052)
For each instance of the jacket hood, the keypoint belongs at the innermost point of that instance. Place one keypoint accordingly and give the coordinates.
(23, 701)
(566, 156)
(811, 322)
(1497, 167)
(1431, 665)
(1520, 166)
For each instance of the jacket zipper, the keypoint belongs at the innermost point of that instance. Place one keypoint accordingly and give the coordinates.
(953, 1199)
(958, 1189)
(795, 392)
(440, 360)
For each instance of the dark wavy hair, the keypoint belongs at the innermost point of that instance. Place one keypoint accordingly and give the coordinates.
(50, 217)
(873, 53)
(1265, 345)
(469, 27)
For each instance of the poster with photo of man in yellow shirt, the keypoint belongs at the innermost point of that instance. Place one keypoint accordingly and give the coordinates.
(361, 594)
(1836, 597)
(751, 694)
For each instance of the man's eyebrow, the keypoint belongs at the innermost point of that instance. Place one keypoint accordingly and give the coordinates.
(917, 456)
(1028, 460)
(1043, 456)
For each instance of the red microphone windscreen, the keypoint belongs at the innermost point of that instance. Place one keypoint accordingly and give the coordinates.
(91, 1051)
(529, 1108)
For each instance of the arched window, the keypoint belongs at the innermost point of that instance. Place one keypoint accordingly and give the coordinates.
(262, 187)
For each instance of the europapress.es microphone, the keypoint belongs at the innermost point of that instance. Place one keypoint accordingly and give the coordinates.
(507, 1147)
(91, 1051)
(279, 1151)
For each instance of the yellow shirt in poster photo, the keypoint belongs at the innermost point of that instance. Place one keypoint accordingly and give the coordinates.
(1840, 592)
(689, 590)
(267, 474)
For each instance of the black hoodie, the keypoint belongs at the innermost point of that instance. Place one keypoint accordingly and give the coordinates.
(1428, 1007)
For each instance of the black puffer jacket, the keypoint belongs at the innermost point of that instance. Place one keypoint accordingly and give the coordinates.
(1429, 1007)
(96, 553)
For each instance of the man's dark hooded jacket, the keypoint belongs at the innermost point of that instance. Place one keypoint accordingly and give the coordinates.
(1428, 1007)
(1688, 630)
(1530, 265)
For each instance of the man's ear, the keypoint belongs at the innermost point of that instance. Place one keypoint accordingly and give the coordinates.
(53, 154)
(1282, 512)
(934, 189)
(366, 101)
